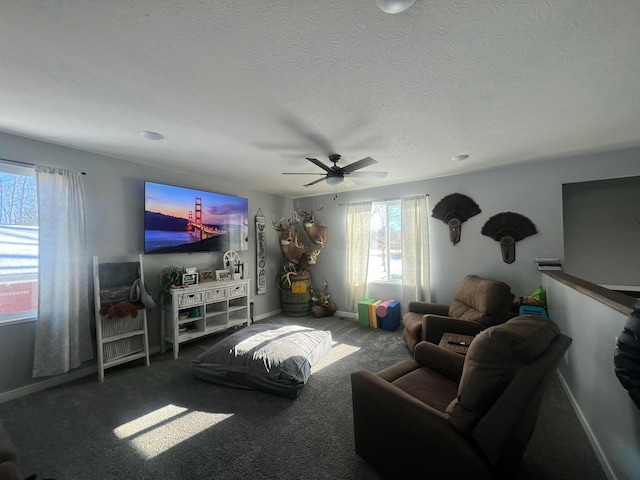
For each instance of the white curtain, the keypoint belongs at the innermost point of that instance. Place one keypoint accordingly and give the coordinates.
(358, 234)
(63, 335)
(415, 251)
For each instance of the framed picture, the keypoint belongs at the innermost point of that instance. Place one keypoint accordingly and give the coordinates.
(222, 275)
(237, 271)
(189, 278)
(207, 275)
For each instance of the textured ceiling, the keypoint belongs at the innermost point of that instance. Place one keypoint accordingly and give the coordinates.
(241, 89)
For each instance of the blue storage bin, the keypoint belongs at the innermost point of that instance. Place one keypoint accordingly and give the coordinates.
(392, 321)
(531, 310)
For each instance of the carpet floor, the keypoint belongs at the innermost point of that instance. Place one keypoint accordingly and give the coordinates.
(161, 422)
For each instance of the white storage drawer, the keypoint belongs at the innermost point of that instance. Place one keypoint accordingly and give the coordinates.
(238, 290)
(187, 299)
(215, 294)
(221, 305)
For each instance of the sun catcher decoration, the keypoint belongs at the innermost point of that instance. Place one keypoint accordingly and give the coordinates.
(453, 210)
(508, 228)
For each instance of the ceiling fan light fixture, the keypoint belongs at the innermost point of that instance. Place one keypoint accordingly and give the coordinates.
(394, 6)
(335, 180)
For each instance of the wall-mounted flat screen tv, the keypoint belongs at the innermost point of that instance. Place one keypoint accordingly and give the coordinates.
(182, 220)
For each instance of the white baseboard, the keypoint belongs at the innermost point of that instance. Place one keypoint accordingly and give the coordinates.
(350, 315)
(267, 315)
(48, 383)
(56, 381)
(587, 430)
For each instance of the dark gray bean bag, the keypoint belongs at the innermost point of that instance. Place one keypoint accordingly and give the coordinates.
(273, 358)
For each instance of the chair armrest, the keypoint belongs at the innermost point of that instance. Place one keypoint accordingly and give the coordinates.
(441, 360)
(433, 326)
(391, 426)
(425, 307)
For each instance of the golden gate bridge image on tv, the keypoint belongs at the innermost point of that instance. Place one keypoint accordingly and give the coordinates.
(183, 220)
(197, 226)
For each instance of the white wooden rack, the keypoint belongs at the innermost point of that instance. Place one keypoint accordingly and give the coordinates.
(119, 339)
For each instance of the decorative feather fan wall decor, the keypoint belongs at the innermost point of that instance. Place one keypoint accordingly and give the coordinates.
(508, 228)
(453, 210)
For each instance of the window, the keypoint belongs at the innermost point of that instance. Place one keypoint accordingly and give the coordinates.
(385, 248)
(18, 243)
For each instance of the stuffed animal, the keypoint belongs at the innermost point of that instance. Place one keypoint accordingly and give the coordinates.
(122, 309)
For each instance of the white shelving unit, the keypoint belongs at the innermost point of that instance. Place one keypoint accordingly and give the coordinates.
(204, 309)
(119, 339)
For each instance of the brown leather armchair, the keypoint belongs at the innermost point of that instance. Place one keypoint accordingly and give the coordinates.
(444, 415)
(9, 468)
(478, 303)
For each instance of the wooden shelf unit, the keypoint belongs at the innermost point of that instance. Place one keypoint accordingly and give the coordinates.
(204, 309)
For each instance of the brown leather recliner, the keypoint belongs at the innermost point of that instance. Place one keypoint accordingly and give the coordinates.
(444, 415)
(9, 468)
(478, 303)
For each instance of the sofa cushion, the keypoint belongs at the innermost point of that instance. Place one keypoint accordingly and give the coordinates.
(491, 362)
(479, 299)
(429, 387)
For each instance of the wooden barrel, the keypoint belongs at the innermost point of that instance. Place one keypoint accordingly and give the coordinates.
(295, 299)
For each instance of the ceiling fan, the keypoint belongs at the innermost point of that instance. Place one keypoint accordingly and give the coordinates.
(334, 175)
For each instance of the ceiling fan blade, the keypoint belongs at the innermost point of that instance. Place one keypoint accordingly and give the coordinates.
(348, 183)
(320, 164)
(302, 173)
(315, 181)
(279, 147)
(365, 162)
(296, 155)
(300, 128)
(368, 174)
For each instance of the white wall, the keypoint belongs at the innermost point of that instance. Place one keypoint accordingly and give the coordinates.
(610, 418)
(115, 213)
(532, 189)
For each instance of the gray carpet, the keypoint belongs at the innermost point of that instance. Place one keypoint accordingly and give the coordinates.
(161, 422)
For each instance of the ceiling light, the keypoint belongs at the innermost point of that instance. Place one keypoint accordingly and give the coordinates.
(151, 135)
(459, 158)
(394, 6)
(335, 180)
